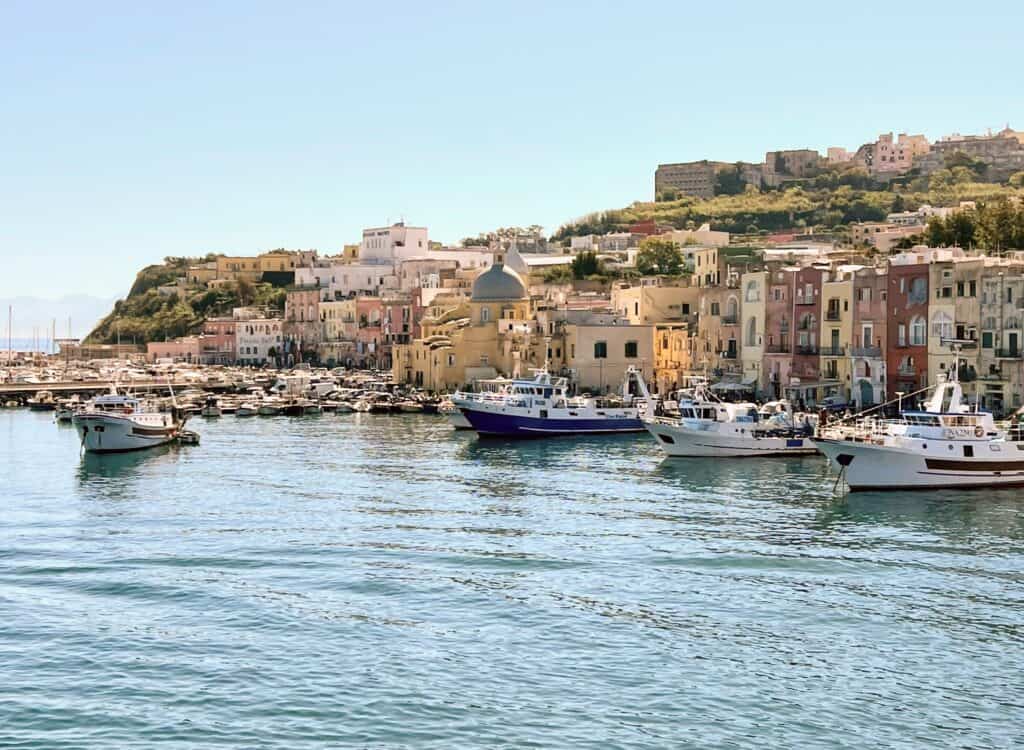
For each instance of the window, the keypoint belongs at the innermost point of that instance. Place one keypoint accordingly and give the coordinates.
(714, 308)
(752, 292)
(752, 332)
(918, 332)
(942, 326)
(959, 289)
(600, 350)
(919, 290)
(451, 360)
(631, 349)
(972, 288)
(483, 360)
(986, 340)
(901, 335)
(485, 314)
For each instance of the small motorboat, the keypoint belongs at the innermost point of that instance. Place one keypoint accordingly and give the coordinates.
(188, 437)
(247, 409)
(43, 401)
(211, 408)
(410, 407)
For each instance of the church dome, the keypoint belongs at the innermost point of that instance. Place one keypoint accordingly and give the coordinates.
(498, 284)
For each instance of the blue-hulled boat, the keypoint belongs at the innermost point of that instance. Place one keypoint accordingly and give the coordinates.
(541, 407)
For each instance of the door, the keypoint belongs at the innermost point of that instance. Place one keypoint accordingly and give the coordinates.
(867, 394)
(1014, 344)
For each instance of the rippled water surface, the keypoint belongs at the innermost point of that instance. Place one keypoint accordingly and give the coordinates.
(374, 581)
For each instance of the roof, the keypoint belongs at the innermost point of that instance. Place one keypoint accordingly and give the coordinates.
(498, 284)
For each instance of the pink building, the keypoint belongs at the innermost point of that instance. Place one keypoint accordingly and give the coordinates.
(185, 349)
(218, 343)
(370, 334)
(868, 348)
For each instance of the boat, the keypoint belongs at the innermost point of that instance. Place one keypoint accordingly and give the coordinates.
(540, 406)
(946, 444)
(116, 423)
(43, 401)
(188, 437)
(247, 409)
(410, 407)
(455, 416)
(270, 407)
(703, 425)
(66, 409)
(344, 407)
(211, 408)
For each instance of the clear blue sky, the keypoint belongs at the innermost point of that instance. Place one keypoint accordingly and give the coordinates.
(137, 130)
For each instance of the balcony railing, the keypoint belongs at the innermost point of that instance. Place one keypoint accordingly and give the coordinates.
(729, 355)
(1009, 353)
(867, 351)
(833, 351)
(807, 349)
(730, 320)
(802, 300)
(832, 315)
(906, 372)
(776, 349)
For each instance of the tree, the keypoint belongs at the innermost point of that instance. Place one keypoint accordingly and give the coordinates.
(246, 292)
(1017, 179)
(585, 264)
(659, 256)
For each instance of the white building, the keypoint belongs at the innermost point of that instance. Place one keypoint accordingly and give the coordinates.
(258, 340)
(392, 244)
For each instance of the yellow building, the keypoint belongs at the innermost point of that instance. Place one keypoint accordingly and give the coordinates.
(654, 303)
(753, 288)
(238, 267)
(490, 335)
(837, 332)
(599, 355)
(276, 260)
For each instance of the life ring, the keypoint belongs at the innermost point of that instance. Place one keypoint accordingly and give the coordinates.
(979, 431)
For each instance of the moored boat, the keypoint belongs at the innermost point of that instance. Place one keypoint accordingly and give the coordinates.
(541, 407)
(947, 444)
(705, 426)
(115, 423)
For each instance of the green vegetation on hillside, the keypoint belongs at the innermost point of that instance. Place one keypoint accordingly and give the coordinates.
(819, 203)
(995, 227)
(148, 314)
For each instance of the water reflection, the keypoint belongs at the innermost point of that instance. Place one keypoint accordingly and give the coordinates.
(114, 475)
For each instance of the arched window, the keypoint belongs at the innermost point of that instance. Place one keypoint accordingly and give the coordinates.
(732, 309)
(919, 290)
(918, 331)
(753, 294)
(806, 321)
(485, 314)
(942, 325)
(752, 331)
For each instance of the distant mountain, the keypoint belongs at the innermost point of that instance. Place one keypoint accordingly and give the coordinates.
(35, 315)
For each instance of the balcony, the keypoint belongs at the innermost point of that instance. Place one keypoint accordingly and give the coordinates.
(776, 349)
(1009, 353)
(832, 315)
(807, 350)
(802, 300)
(730, 320)
(729, 354)
(867, 351)
(833, 351)
(906, 372)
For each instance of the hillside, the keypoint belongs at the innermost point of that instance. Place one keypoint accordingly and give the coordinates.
(151, 314)
(823, 203)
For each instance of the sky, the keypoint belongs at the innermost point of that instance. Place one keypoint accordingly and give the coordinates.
(133, 131)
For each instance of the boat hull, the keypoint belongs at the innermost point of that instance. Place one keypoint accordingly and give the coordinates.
(680, 442)
(107, 433)
(518, 425)
(866, 466)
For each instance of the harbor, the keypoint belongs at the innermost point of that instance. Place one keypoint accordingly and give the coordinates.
(577, 591)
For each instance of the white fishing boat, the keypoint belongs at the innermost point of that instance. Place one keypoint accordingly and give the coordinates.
(270, 407)
(707, 427)
(947, 444)
(540, 407)
(115, 423)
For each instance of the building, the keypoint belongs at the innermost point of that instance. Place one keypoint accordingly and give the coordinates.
(259, 341)
(868, 339)
(907, 326)
(893, 157)
(837, 330)
(694, 178)
(600, 354)
(388, 245)
(792, 164)
(1002, 153)
(882, 236)
(807, 383)
(752, 326)
(184, 349)
(778, 331)
(303, 329)
(217, 345)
